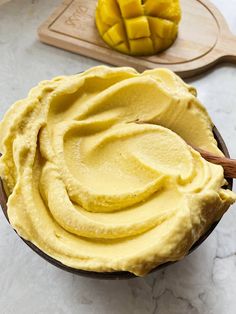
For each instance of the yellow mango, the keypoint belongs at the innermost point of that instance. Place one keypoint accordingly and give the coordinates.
(108, 39)
(153, 8)
(138, 27)
(167, 42)
(162, 28)
(157, 43)
(123, 47)
(172, 13)
(117, 33)
(144, 44)
(130, 8)
(109, 12)
(161, 44)
(102, 27)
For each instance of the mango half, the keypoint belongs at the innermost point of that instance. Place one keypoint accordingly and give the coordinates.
(138, 27)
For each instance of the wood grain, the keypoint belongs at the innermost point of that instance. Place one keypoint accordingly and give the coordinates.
(204, 38)
(229, 165)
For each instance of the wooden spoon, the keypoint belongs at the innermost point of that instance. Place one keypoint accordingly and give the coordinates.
(228, 164)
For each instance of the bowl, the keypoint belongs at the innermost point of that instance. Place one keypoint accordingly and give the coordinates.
(119, 274)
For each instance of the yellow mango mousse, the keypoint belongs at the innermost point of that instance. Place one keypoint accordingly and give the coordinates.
(98, 191)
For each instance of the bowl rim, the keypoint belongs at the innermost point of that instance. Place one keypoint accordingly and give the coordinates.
(116, 275)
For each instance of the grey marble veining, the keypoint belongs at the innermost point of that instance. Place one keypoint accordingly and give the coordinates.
(202, 283)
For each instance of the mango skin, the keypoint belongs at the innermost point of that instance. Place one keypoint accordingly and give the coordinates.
(138, 27)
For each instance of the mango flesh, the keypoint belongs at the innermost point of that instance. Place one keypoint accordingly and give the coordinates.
(138, 27)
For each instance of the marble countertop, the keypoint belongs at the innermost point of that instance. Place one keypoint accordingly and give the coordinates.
(204, 282)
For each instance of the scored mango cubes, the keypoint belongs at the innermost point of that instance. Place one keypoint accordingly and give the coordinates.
(130, 8)
(138, 27)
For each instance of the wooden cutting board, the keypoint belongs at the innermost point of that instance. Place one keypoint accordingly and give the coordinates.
(204, 38)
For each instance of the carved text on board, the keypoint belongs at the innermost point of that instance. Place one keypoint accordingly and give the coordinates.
(77, 17)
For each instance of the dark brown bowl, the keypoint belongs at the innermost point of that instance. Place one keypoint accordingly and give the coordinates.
(120, 274)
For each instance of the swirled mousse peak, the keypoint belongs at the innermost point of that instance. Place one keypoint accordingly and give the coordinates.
(97, 190)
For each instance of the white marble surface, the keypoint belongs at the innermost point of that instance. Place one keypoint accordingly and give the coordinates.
(204, 282)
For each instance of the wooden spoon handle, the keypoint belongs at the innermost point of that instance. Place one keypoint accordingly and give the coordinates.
(228, 164)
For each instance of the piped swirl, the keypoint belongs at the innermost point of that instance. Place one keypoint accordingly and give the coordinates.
(96, 189)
